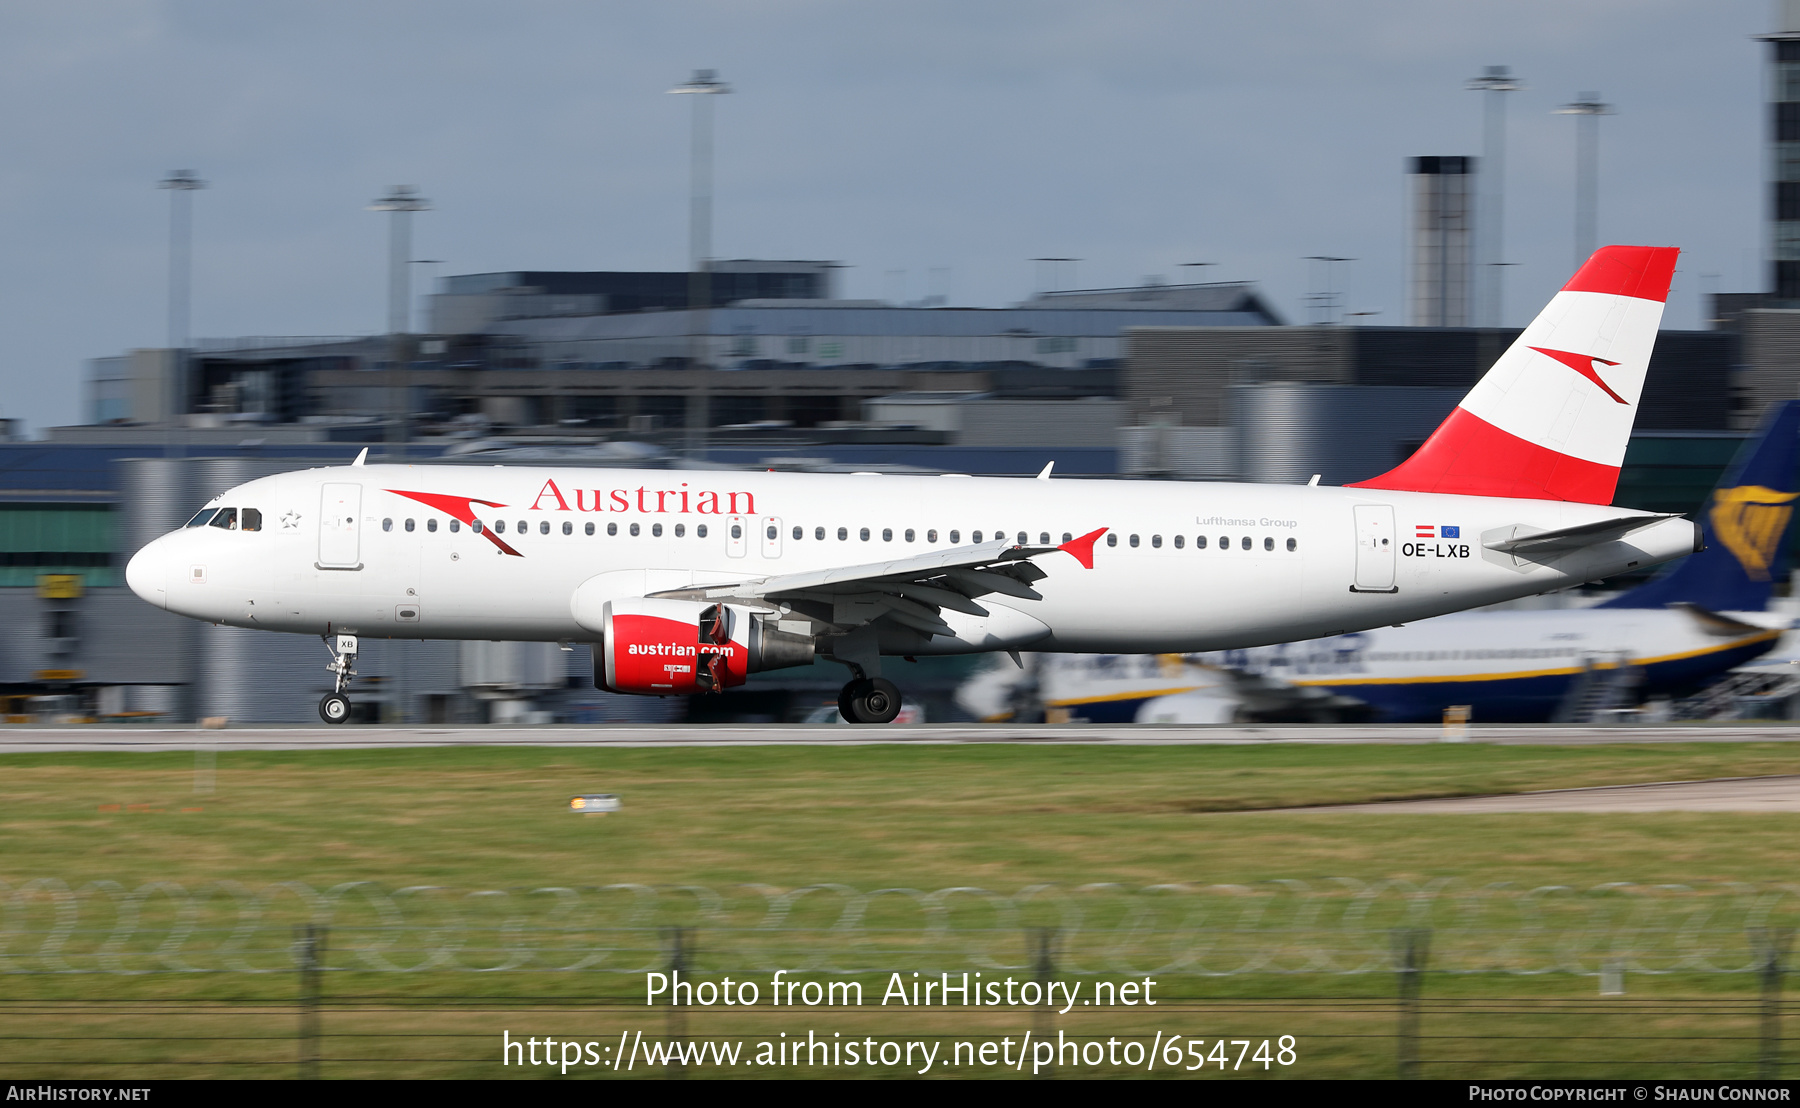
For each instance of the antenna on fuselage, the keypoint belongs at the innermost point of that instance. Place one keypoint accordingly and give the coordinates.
(361, 458)
(1045, 475)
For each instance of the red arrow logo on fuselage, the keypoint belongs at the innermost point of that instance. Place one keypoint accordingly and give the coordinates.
(460, 508)
(1584, 365)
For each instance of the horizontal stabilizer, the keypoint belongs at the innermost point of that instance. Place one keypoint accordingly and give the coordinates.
(1574, 538)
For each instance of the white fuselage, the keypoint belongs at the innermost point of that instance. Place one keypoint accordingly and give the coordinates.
(340, 551)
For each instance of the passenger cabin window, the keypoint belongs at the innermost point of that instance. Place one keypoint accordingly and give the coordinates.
(865, 534)
(956, 536)
(612, 528)
(1134, 540)
(819, 534)
(1180, 541)
(680, 530)
(201, 516)
(500, 527)
(634, 530)
(543, 527)
(524, 527)
(974, 536)
(1044, 539)
(1292, 545)
(909, 534)
(475, 526)
(1199, 542)
(887, 534)
(772, 532)
(1268, 544)
(737, 531)
(1112, 539)
(1156, 542)
(931, 535)
(409, 525)
(386, 525)
(568, 528)
(455, 526)
(431, 525)
(1246, 542)
(225, 518)
(843, 533)
(1068, 537)
(799, 533)
(699, 530)
(589, 529)
(656, 530)
(252, 519)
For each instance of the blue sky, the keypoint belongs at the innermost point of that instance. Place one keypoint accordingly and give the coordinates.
(901, 140)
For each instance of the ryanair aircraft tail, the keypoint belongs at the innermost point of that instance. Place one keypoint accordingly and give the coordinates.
(1744, 526)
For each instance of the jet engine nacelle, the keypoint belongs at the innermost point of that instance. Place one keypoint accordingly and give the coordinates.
(663, 647)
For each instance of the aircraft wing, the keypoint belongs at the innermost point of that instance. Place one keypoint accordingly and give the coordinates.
(1564, 539)
(910, 591)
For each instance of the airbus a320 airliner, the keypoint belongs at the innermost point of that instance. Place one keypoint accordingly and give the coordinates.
(687, 582)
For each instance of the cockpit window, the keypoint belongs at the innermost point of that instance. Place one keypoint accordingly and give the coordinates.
(252, 520)
(225, 518)
(201, 516)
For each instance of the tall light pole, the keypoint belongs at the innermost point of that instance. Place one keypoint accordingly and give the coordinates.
(180, 183)
(400, 204)
(702, 86)
(1496, 81)
(1325, 303)
(1587, 108)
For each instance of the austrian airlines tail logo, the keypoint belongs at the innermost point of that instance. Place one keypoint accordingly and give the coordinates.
(461, 508)
(1584, 365)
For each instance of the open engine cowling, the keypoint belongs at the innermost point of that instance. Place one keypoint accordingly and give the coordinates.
(679, 647)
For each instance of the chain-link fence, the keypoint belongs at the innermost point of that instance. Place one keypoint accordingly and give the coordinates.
(1333, 927)
(1440, 978)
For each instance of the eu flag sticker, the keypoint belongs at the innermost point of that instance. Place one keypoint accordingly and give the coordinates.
(1450, 532)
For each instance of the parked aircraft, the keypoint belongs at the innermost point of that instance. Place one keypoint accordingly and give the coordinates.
(686, 581)
(1702, 616)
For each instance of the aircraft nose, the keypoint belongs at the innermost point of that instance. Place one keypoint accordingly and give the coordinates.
(147, 573)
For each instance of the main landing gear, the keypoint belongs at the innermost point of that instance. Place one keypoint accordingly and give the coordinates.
(869, 700)
(335, 707)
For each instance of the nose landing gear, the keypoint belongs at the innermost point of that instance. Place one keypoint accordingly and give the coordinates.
(335, 707)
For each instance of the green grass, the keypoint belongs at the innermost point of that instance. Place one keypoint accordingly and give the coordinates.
(926, 817)
(929, 816)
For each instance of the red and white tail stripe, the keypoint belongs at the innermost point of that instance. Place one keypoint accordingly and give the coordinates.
(1551, 419)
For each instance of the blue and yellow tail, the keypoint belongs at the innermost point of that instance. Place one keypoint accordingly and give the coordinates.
(1745, 527)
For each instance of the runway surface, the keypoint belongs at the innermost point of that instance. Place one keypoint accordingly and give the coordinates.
(1726, 794)
(76, 737)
